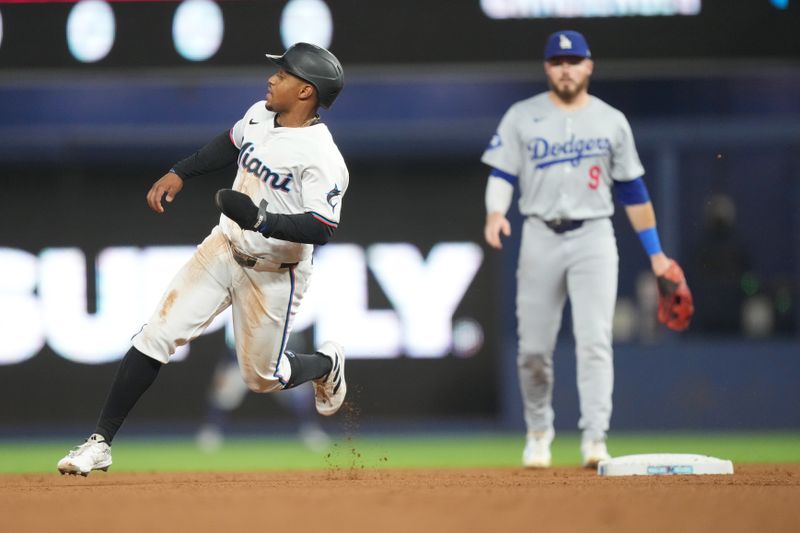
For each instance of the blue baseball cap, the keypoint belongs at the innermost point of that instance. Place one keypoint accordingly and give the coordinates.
(566, 43)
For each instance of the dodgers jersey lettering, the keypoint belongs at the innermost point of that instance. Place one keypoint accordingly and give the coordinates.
(296, 170)
(566, 162)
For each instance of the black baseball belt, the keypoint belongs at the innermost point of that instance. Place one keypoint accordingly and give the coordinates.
(563, 225)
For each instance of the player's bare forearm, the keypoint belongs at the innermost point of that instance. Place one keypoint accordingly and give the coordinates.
(642, 217)
(496, 223)
(170, 184)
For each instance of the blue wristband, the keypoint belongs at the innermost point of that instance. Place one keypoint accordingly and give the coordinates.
(650, 240)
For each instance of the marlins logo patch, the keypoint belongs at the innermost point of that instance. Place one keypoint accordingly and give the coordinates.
(332, 194)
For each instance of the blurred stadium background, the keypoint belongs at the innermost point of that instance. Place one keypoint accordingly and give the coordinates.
(98, 99)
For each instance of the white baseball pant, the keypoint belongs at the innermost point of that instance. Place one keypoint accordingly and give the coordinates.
(264, 301)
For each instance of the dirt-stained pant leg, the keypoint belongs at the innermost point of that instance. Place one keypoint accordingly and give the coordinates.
(541, 293)
(197, 294)
(264, 306)
(592, 288)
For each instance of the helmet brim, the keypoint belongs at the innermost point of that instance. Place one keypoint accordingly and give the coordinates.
(278, 60)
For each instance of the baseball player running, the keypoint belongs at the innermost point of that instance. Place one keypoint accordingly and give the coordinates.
(567, 150)
(286, 197)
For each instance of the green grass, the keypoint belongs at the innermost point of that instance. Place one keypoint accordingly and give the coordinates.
(477, 450)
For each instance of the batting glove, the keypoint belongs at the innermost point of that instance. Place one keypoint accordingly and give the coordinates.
(240, 208)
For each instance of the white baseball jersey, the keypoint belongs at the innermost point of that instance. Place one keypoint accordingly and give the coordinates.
(296, 170)
(565, 161)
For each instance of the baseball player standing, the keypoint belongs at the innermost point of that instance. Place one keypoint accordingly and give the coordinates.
(286, 197)
(567, 150)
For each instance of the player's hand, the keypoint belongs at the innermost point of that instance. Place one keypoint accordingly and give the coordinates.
(169, 184)
(659, 263)
(496, 223)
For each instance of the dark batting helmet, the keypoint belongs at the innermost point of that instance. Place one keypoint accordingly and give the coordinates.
(315, 65)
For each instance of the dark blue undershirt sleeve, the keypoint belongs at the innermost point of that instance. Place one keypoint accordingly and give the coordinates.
(631, 192)
(304, 227)
(217, 154)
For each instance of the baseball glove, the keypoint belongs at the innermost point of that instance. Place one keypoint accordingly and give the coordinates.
(675, 307)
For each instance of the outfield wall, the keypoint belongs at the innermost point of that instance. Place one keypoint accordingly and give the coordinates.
(77, 155)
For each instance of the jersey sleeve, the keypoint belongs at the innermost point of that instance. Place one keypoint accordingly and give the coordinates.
(324, 187)
(625, 163)
(237, 131)
(504, 151)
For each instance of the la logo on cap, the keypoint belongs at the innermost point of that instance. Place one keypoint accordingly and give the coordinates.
(563, 42)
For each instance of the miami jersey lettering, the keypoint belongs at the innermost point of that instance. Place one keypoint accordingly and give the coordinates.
(296, 170)
(253, 165)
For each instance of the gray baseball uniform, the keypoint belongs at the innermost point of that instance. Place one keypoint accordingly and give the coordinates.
(565, 163)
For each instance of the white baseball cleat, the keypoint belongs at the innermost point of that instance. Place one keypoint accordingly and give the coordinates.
(94, 454)
(594, 451)
(537, 449)
(330, 390)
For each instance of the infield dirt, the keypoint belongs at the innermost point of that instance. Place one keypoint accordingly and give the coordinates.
(757, 498)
